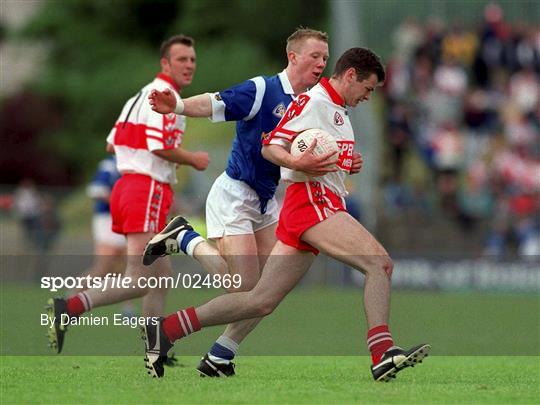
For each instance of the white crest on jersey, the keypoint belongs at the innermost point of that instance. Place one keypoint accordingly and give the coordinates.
(338, 119)
(279, 110)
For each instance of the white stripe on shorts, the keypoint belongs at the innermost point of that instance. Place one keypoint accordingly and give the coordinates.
(317, 210)
(147, 215)
(328, 201)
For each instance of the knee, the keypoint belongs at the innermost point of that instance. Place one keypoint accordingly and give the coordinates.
(264, 306)
(387, 266)
(382, 265)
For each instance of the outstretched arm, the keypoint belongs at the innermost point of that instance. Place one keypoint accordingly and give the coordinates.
(165, 102)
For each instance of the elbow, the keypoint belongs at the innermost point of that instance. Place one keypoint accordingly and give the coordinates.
(161, 153)
(264, 152)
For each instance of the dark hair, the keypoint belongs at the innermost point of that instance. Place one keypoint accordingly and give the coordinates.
(302, 34)
(176, 39)
(364, 61)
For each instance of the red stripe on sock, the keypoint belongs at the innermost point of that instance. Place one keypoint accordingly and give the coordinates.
(194, 319)
(173, 328)
(75, 306)
(378, 349)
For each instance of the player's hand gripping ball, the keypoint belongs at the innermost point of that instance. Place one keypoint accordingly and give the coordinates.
(325, 142)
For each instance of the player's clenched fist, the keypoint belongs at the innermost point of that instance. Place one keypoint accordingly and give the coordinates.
(201, 160)
(357, 163)
(163, 102)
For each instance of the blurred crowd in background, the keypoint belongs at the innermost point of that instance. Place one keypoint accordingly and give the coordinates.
(37, 214)
(465, 101)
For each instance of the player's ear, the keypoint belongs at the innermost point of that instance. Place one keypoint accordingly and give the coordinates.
(291, 57)
(164, 62)
(351, 75)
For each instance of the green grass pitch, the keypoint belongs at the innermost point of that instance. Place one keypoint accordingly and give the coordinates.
(486, 349)
(270, 379)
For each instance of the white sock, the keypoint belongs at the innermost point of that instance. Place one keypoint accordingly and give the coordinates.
(191, 244)
(227, 343)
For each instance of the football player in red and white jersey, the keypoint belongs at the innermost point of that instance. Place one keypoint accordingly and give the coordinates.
(148, 149)
(313, 219)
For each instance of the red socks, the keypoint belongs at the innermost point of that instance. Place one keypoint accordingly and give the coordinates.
(78, 304)
(379, 340)
(180, 324)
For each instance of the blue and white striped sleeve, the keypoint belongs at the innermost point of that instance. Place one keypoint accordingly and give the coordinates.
(240, 102)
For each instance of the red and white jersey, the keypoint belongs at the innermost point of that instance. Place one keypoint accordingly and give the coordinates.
(521, 173)
(321, 107)
(139, 130)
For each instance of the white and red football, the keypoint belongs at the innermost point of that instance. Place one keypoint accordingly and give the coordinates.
(325, 142)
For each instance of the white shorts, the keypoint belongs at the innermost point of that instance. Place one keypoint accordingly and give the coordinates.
(233, 208)
(102, 231)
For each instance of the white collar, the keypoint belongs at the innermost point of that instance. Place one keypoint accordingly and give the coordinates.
(285, 83)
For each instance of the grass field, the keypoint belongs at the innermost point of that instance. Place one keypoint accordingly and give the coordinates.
(486, 349)
(269, 379)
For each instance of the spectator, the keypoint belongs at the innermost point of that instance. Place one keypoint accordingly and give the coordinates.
(400, 133)
(525, 90)
(27, 205)
(49, 224)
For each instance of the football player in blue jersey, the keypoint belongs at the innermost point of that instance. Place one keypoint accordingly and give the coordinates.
(241, 209)
(110, 247)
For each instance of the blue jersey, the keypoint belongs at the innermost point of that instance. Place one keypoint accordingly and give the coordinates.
(257, 106)
(101, 186)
